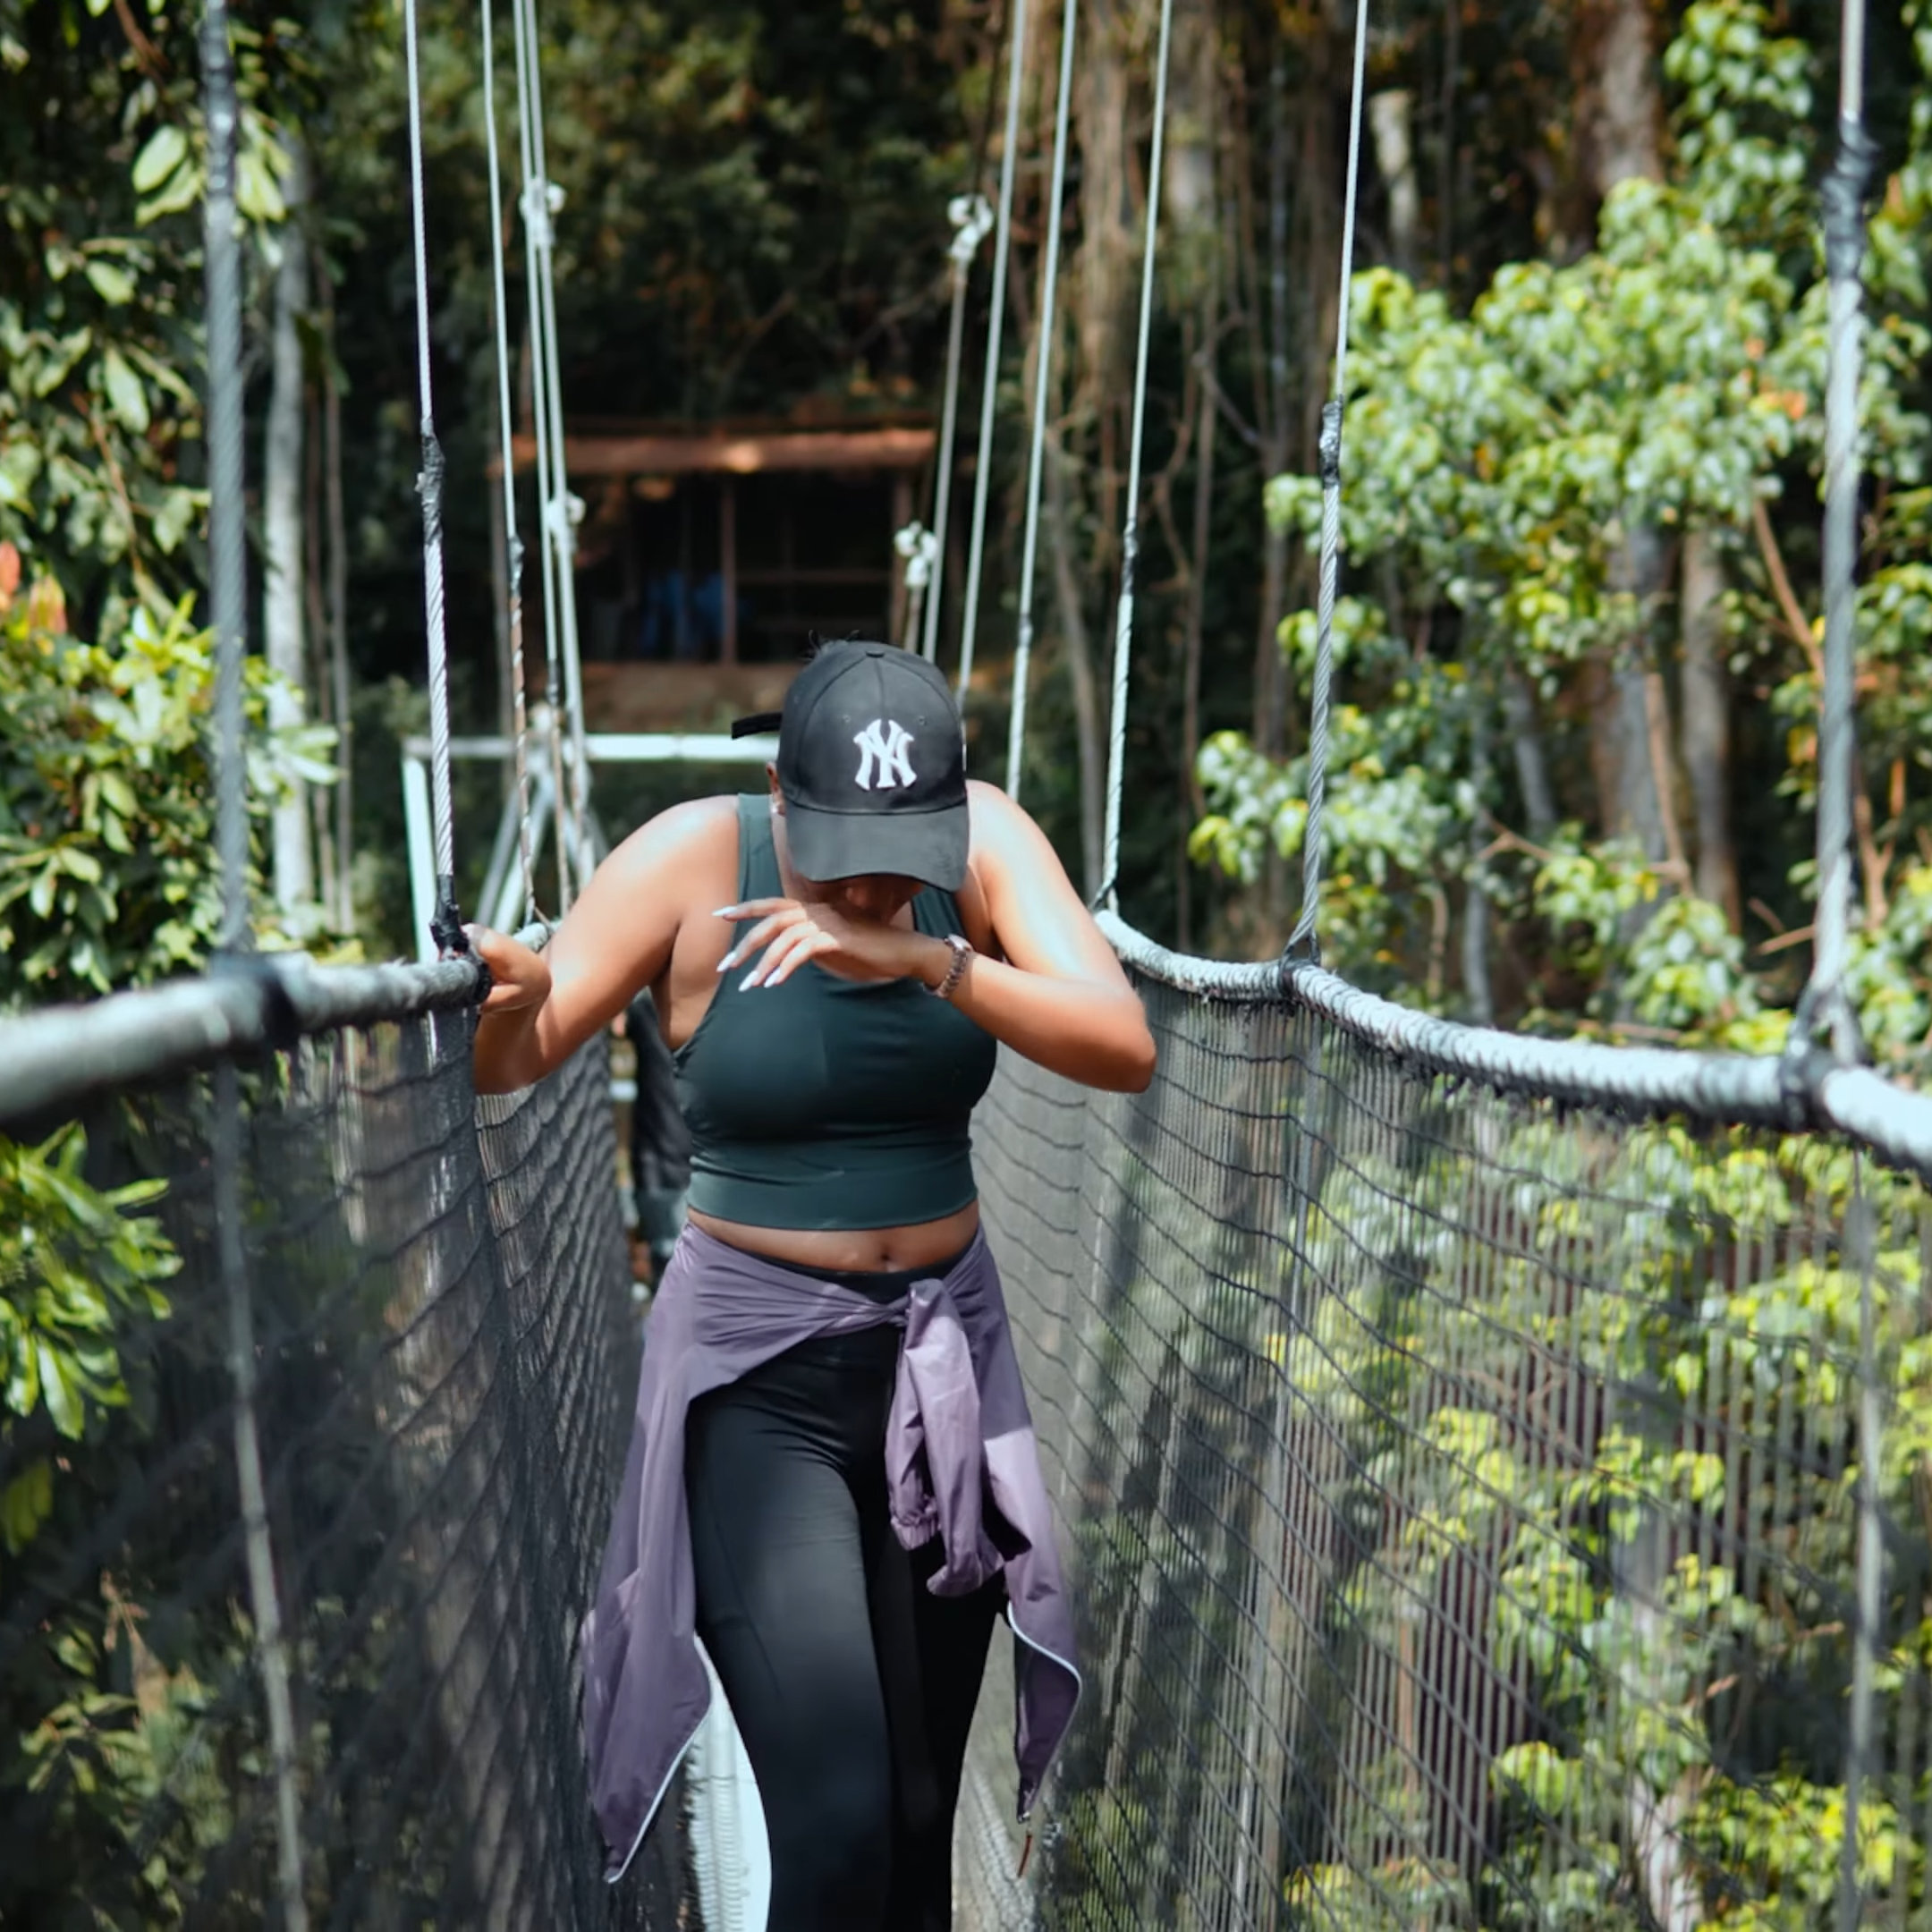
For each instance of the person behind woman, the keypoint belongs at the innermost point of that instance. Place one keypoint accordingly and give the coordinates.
(832, 1482)
(660, 1142)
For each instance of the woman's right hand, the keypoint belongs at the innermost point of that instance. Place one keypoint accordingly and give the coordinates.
(519, 978)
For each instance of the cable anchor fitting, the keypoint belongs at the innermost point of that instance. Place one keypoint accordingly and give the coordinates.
(971, 217)
(1842, 193)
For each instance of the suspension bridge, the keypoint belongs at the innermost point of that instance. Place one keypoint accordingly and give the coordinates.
(1494, 1470)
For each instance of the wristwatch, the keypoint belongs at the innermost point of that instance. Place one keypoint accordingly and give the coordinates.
(962, 950)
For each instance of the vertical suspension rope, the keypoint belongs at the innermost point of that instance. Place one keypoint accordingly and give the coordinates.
(447, 924)
(1303, 941)
(1130, 528)
(989, 398)
(535, 203)
(1824, 1001)
(518, 705)
(228, 594)
(559, 512)
(1042, 389)
(971, 218)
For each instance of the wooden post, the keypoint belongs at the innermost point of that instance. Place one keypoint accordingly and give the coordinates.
(728, 564)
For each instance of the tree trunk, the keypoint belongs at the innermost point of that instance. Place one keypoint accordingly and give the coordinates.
(1390, 126)
(282, 542)
(1204, 72)
(338, 613)
(1476, 986)
(1631, 804)
(1619, 113)
(1078, 657)
(1526, 745)
(1270, 674)
(1707, 722)
(315, 627)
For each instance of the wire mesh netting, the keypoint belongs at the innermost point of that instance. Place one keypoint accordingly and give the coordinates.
(445, 1348)
(1481, 1513)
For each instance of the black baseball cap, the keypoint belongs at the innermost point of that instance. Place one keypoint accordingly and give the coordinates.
(872, 767)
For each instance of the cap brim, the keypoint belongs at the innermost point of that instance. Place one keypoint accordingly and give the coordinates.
(930, 846)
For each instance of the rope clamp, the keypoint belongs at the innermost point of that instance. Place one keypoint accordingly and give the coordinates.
(972, 221)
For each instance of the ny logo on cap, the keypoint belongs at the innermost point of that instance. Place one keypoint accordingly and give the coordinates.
(883, 763)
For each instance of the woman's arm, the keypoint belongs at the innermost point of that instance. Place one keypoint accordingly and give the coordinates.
(617, 937)
(1060, 996)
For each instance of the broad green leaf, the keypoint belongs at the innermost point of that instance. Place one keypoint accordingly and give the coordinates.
(257, 194)
(62, 1401)
(180, 191)
(125, 395)
(25, 1504)
(114, 285)
(164, 151)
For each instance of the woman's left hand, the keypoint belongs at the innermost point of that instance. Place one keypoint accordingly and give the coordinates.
(792, 934)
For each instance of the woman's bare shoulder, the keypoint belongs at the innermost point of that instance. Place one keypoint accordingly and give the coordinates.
(1002, 827)
(693, 833)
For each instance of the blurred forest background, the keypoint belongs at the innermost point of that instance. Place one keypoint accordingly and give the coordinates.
(1578, 638)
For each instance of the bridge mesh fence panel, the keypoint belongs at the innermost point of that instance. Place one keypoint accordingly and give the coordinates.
(447, 1350)
(1469, 1500)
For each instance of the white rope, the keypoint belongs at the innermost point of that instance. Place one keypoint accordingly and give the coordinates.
(1824, 1001)
(1130, 529)
(919, 549)
(518, 706)
(989, 398)
(1314, 835)
(972, 221)
(537, 206)
(1045, 336)
(563, 511)
(429, 483)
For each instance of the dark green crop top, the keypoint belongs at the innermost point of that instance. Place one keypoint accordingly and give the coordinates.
(829, 1102)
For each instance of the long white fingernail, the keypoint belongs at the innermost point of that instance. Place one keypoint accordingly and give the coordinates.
(725, 911)
(749, 981)
(728, 961)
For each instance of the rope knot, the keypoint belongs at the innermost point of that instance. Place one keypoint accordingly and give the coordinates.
(540, 201)
(1329, 448)
(972, 222)
(429, 483)
(918, 546)
(1842, 193)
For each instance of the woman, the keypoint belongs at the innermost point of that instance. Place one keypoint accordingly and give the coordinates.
(832, 1480)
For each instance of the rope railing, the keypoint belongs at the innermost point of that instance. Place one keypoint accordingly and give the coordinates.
(507, 457)
(1045, 336)
(1484, 1465)
(1123, 613)
(294, 1641)
(996, 326)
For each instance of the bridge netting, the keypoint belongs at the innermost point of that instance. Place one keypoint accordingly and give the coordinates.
(1486, 1509)
(444, 1349)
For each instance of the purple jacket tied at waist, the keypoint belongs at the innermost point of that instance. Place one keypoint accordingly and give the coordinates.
(961, 1465)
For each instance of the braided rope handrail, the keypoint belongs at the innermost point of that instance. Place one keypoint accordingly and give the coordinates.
(62, 1056)
(1737, 1089)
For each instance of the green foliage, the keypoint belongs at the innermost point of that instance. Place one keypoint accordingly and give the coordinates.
(106, 800)
(102, 154)
(1502, 462)
(78, 1269)
(1654, 1450)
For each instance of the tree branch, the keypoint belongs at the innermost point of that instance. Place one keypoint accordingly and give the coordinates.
(1781, 585)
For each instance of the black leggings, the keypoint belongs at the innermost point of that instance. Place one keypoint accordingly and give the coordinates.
(852, 1685)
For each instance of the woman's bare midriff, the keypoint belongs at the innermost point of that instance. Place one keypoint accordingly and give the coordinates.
(856, 1250)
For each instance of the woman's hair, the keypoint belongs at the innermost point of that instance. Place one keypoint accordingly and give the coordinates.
(815, 644)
